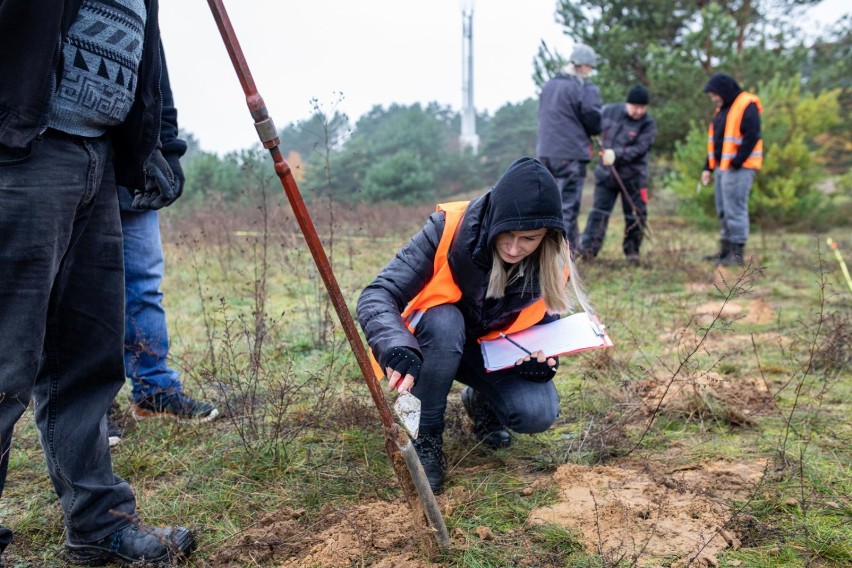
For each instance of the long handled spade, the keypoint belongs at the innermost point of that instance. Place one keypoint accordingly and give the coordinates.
(403, 458)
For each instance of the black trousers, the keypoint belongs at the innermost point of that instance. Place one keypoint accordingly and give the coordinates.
(634, 206)
(62, 322)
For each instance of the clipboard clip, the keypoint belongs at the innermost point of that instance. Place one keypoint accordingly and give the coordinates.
(596, 326)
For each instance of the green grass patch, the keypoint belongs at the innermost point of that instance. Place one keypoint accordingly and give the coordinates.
(696, 377)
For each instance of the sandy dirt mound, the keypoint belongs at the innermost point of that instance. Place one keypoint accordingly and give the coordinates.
(275, 536)
(735, 399)
(755, 312)
(649, 515)
(725, 318)
(759, 312)
(377, 534)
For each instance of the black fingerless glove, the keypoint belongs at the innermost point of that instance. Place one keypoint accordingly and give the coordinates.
(403, 360)
(532, 370)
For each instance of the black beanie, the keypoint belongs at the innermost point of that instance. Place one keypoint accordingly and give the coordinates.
(638, 95)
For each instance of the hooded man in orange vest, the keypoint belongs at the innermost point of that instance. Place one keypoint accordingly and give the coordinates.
(734, 154)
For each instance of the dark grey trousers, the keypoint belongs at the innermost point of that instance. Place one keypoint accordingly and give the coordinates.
(61, 322)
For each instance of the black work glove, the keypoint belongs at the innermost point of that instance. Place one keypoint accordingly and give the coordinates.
(403, 360)
(532, 370)
(163, 182)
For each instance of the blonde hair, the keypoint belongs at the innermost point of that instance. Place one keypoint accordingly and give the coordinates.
(553, 259)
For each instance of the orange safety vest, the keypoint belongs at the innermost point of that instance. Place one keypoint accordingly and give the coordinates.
(734, 136)
(442, 288)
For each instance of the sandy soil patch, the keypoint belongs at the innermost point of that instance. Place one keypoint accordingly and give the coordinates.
(649, 515)
(377, 534)
(735, 399)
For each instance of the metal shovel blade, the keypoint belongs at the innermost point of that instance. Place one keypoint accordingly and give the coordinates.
(407, 408)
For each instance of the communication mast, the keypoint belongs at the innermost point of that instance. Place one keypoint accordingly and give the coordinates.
(468, 138)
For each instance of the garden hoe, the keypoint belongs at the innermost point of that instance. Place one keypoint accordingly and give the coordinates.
(400, 450)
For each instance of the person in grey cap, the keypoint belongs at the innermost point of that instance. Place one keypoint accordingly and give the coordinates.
(626, 137)
(569, 114)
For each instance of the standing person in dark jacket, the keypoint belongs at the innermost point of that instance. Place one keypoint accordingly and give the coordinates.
(495, 264)
(569, 114)
(80, 107)
(627, 134)
(734, 154)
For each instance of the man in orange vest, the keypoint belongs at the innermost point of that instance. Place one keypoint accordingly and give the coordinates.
(734, 154)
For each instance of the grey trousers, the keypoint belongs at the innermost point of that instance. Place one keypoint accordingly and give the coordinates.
(732, 189)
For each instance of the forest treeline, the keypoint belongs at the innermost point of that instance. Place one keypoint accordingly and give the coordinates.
(411, 154)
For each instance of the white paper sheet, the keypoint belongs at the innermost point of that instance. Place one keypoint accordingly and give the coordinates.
(565, 336)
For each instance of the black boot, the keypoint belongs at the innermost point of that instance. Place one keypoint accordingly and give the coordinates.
(430, 450)
(486, 425)
(734, 257)
(724, 250)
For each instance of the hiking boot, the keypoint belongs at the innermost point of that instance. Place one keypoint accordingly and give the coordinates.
(430, 450)
(174, 405)
(139, 545)
(633, 259)
(486, 426)
(114, 431)
(734, 257)
(724, 249)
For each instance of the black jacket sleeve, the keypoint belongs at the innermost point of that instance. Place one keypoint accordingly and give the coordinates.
(381, 303)
(171, 144)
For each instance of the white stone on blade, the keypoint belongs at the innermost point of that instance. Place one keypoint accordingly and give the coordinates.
(407, 408)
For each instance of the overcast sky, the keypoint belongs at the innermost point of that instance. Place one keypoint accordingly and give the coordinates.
(350, 56)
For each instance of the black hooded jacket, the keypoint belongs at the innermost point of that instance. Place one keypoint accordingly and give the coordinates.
(726, 87)
(525, 198)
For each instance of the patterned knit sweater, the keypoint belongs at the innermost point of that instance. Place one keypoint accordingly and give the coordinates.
(101, 55)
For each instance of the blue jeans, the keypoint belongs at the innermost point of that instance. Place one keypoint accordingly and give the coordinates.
(62, 321)
(731, 191)
(146, 338)
(521, 405)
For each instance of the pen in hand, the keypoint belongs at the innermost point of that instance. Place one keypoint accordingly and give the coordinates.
(516, 344)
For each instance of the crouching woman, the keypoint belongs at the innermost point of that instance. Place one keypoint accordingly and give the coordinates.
(495, 264)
